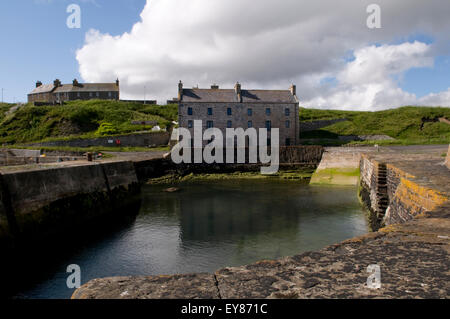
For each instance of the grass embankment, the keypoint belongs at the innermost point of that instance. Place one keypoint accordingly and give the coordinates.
(90, 119)
(288, 175)
(80, 119)
(406, 125)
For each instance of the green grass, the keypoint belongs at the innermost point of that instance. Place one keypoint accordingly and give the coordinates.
(79, 119)
(403, 124)
(4, 107)
(82, 119)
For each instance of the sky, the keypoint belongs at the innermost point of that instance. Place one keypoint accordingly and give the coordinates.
(325, 48)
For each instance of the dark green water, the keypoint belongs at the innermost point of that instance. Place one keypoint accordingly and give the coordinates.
(207, 226)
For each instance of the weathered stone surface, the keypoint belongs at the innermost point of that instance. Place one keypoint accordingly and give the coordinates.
(414, 262)
(190, 286)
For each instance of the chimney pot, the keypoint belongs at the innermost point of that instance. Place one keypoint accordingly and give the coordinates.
(180, 90)
(237, 89)
(38, 84)
(214, 87)
(293, 89)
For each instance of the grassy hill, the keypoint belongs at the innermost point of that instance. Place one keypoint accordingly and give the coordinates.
(407, 125)
(80, 119)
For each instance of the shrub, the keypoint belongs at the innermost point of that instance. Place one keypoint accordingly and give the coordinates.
(106, 129)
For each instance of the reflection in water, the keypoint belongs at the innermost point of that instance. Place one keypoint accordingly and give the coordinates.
(211, 225)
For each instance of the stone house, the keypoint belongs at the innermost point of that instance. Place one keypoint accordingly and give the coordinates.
(58, 93)
(239, 108)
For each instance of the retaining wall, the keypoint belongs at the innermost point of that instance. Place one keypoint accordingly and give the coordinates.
(138, 140)
(46, 201)
(315, 125)
(291, 157)
(395, 196)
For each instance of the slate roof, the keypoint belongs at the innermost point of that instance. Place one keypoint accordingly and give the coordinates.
(46, 88)
(88, 87)
(230, 96)
(82, 87)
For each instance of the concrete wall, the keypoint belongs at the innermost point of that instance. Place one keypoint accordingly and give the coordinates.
(339, 166)
(47, 201)
(141, 140)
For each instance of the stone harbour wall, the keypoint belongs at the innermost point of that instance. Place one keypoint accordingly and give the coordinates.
(412, 254)
(137, 140)
(44, 201)
(394, 195)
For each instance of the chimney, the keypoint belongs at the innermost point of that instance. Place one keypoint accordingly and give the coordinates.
(214, 87)
(117, 82)
(38, 84)
(57, 83)
(293, 89)
(180, 90)
(75, 82)
(237, 89)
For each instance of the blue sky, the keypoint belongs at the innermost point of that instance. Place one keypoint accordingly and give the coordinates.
(203, 42)
(37, 45)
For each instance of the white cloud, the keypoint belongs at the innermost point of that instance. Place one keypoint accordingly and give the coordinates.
(269, 44)
(369, 82)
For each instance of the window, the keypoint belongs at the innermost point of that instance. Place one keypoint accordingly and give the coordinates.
(288, 124)
(250, 124)
(90, 94)
(287, 112)
(229, 112)
(268, 111)
(190, 124)
(288, 142)
(268, 125)
(110, 94)
(97, 94)
(209, 111)
(209, 124)
(229, 124)
(78, 94)
(249, 112)
(189, 110)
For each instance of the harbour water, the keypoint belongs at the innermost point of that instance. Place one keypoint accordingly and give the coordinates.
(206, 226)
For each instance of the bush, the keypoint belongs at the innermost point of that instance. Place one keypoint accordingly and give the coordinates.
(106, 129)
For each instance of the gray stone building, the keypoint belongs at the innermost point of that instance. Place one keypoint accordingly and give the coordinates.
(58, 92)
(240, 108)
